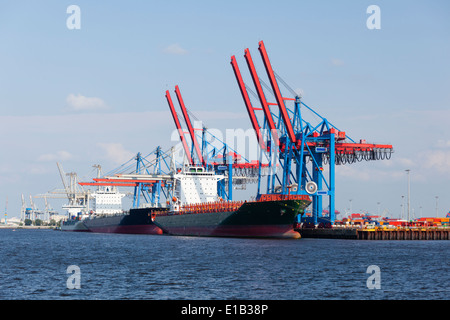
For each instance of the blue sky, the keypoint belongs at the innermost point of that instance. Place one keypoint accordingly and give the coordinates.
(96, 95)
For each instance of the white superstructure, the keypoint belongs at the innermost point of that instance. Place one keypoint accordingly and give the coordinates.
(195, 185)
(107, 200)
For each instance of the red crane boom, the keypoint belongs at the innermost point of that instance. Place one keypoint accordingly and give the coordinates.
(276, 91)
(189, 125)
(180, 130)
(262, 97)
(248, 104)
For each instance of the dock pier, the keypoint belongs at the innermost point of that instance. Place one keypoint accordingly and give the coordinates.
(376, 234)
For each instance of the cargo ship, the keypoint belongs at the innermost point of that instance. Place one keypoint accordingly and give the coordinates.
(107, 202)
(134, 221)
(196, 210)
(75, 216)
(109, 217)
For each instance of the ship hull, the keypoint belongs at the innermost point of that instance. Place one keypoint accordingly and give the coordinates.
(265, 219)
(74, 226)
(137, 221)
(248, 231)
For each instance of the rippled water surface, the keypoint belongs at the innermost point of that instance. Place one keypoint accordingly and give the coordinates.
(112, 266)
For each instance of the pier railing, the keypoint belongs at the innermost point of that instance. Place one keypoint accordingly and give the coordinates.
(227, 206)
(404, 234)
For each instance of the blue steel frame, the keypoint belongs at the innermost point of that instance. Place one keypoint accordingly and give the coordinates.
(302, 163)
(293, 158)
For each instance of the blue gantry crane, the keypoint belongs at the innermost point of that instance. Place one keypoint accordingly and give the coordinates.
(301, 155)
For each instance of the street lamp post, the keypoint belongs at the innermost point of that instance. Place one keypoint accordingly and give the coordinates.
(409, 194)
(437, 206)
(403, 207)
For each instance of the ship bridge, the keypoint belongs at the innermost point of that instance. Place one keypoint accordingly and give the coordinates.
(195, 185)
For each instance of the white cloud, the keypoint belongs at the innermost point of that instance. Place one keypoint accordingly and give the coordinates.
(437, 160)
(57, 156)
(443, 143)
(82, 103)
(403, 162)
(37, 169)
(382, 171)
(337, 62)
(115, 152)
(175, 49)
(349, 171)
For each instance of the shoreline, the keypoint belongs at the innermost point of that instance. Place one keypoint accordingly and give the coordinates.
(26, 227)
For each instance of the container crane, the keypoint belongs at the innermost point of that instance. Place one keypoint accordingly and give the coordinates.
(33, 209)
(36, 211)
(300, 148)
(23, 209)
(48, 209)
(187, 120)
(222, 159)
(77, 196)
(6, 210)
(149, 178)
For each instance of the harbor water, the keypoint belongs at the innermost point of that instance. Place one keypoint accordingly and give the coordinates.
(42, 264)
